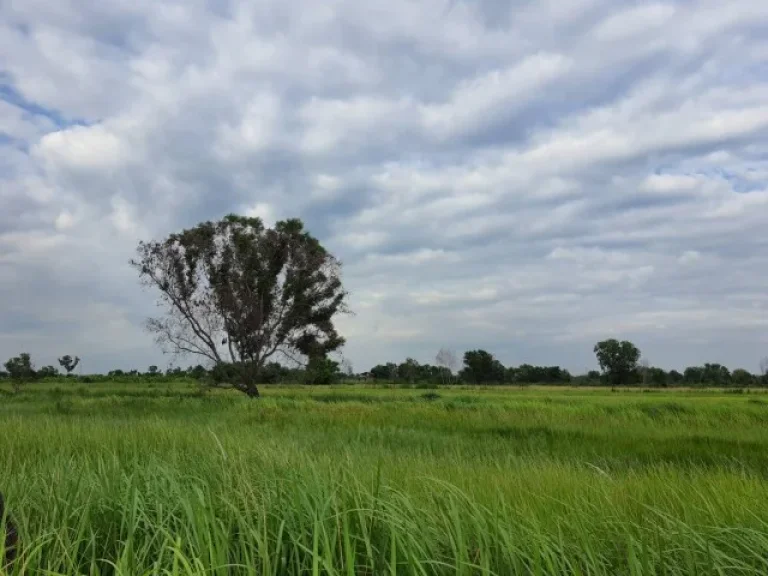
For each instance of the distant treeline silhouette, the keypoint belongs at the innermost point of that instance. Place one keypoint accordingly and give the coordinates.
(620, 363)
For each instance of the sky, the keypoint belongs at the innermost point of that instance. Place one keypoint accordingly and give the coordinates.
(527, 177)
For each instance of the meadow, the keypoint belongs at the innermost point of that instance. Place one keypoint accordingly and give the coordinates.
(125, 479)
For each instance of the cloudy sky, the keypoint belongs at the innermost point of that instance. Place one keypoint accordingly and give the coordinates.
(523, 176)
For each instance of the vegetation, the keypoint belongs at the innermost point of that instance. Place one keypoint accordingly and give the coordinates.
(159, 478)
(237, 292)
(20, 370)
(618, 360)
(480, 367)
(69, 363)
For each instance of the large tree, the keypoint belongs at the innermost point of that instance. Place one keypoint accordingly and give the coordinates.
(716, 375)
(408, 370)
(480, 367)
(742, 378)
(237, 292)
(618, 360)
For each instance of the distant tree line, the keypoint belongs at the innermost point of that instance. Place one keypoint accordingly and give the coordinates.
(480, 367)
(620, 364)
(318, 371)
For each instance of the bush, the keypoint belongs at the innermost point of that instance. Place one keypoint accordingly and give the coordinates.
(742, 378)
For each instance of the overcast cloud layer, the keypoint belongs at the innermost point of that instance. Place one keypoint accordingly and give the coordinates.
(525, 176)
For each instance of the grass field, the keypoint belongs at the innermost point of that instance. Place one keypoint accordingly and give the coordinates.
(112, 479)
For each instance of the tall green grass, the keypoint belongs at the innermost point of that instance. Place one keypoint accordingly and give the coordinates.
(166, 480)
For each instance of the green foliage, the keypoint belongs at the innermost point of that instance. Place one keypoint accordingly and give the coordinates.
(742, 379)
(69, 363)
(693, 376)
(480, 367)
(322, 371)
(198, 372)
(656, 377)
(387, 371)
(47, 372)
(236, 289)
(411, 372)
(225, 373)
(716, 375)
(175, 372)
(274, 373)
(20, 370)
(229, 373)
(408, 370)
(359, 480)
(618, 360)
(527, 374)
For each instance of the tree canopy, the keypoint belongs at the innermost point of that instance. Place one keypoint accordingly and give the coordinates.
(21, 370)
(481, 367)
(69, 363)
(617, 359)
(236, 291)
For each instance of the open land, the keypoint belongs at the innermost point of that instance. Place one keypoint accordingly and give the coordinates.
(114, 478)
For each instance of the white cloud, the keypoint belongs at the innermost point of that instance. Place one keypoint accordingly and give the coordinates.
(123, 217)
(83, 147)
(20, 245)
(332, 125)
(525, 178)
(482, 100)
(582, 255)
(256, 130)
(326, 187)
(64, 220)
(738, 204)
(664, 183)
(628, 24)
(360, 241)
(263, 211)
(417, 258)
